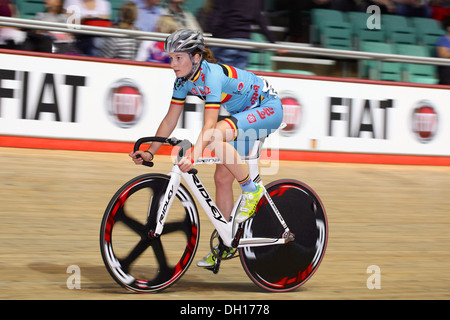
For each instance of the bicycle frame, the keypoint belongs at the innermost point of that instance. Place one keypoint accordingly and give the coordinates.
(227, 230)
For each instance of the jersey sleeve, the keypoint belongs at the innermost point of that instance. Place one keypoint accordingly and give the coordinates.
(213, 90)
(179, 93)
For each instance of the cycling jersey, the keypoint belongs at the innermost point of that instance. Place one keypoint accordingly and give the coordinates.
(248, 98)
(218, 84)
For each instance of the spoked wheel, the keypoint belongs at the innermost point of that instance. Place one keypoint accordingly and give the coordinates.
(285, 267)
(136, 259)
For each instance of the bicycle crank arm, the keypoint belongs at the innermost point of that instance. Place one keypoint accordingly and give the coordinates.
(260, 242)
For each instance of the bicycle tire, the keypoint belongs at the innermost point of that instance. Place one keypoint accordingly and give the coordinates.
(131, 215)
(285, 267)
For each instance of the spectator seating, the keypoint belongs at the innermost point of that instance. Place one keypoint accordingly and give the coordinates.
(377, 70)
(428, 31)
(337, 35)
(115, 7)
(194, 5)
(340, 30)
(320, 17)
(419, 73)
(28, 8)
(260, 60)
(394, 30)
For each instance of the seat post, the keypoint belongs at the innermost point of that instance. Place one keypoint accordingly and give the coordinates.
(252, 159)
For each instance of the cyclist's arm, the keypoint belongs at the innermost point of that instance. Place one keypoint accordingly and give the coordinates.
(165, 128)
(167, 125)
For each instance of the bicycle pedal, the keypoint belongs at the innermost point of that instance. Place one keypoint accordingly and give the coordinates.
(214, 268)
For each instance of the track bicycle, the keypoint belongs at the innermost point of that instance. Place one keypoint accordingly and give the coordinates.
(151, 229)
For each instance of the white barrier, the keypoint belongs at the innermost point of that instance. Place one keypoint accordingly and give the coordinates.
(84, 99)
(366, 118)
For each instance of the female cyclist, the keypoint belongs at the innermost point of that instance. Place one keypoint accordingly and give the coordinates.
(253, 106)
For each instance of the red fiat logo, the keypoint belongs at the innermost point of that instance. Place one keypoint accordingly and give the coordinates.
(424, 121)
(125, 103)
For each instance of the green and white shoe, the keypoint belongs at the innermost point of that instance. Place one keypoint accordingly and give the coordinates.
(210, 259)
(249, 203)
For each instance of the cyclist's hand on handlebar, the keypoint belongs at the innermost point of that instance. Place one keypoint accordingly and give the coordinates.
(186, 164)
(140, 156)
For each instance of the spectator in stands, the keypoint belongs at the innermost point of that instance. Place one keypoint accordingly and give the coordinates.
(54, 12)
(440, 9)
(413, 8)
(296, 25)
(92, 12)
(118, 47)
(233, 19)
(153, 51)
(440, 3)
(203, 13)
(86, 9)
(184, 18)
(386, 6)
(149, 12)
(345, 5)
(45, 41)
(7, 8)
(443, 51)
(409, 8)
(10, 38)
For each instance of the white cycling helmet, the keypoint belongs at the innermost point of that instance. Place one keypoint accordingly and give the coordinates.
(189, 41)
(184, 40)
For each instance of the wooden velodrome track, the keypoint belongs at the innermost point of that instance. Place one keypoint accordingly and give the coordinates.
(394, 217)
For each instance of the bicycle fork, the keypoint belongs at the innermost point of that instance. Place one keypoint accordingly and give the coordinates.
(166, 201)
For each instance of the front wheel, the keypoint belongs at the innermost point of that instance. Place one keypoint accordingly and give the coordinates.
(135, 259)
(285, 267)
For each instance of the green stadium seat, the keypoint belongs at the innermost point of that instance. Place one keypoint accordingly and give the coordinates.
(405, 35)
(427, 30)
(194, 5)
(260, 60)
(28, 8)
(425, 23)
(358, 19)
(418, 73)
(295, 71)
(429, 38)
(115, 8)
(393, 20)
(377, 70)
(375, 35)
(360, 30)
(321, 16)
(336, 35)
(411, 50)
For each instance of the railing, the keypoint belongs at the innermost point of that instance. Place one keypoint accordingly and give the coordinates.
(155, 36)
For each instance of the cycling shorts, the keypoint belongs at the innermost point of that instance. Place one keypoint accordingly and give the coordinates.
(255, 123)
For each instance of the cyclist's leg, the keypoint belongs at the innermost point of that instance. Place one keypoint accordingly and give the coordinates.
(224, 200)
(250, 125)
(260, 121)
(224, 190)
(226, 152)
